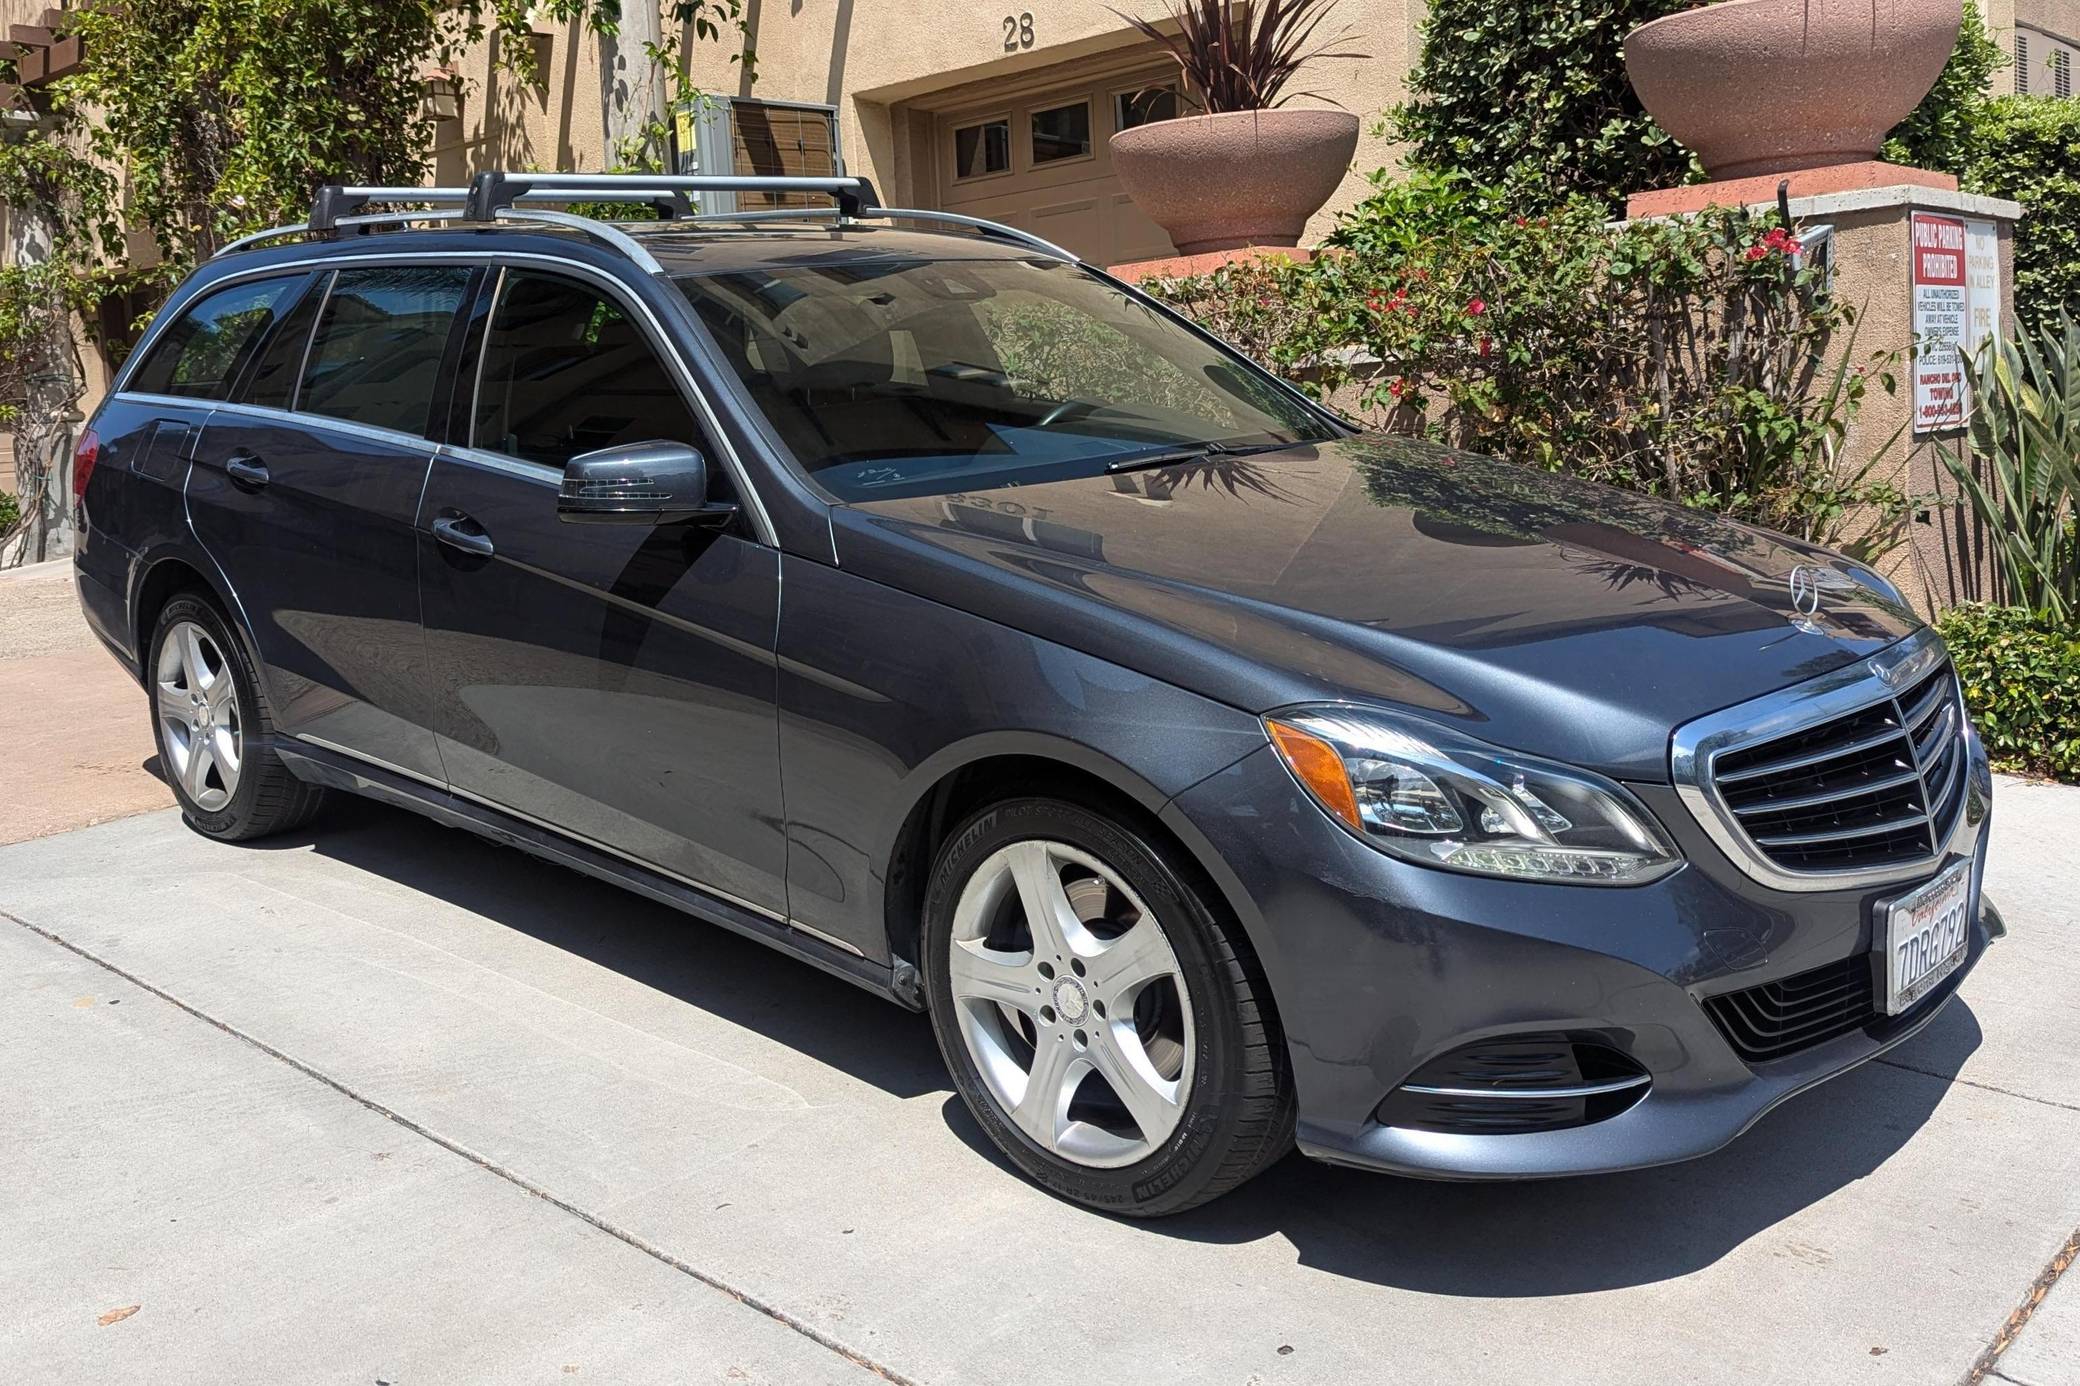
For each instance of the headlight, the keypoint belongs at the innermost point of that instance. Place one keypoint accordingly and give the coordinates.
(1429, 795)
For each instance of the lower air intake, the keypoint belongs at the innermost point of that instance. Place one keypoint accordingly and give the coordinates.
(1517, 1084)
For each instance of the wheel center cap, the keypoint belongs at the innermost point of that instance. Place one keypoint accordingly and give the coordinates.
(1069, 1001)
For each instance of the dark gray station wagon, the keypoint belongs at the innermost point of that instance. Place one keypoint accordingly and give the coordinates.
(955, 618)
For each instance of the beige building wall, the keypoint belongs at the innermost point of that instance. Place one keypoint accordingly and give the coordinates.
(902, 76)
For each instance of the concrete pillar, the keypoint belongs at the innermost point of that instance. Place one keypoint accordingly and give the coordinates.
(1928, 268)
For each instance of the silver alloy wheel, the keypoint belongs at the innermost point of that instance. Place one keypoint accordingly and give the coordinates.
(197, 705)
(1071, 1003)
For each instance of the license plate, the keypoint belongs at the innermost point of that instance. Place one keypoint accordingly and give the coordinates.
(1927, 933)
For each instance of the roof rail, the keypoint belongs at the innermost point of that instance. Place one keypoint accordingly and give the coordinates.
(492, 197)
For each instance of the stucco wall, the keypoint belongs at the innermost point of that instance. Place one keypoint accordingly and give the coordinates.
(883, 64)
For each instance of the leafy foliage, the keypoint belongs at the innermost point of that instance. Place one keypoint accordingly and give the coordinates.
(1685, 358)
(2028, 148)
(1942, 132)
(2021, 677)
(1241, 56)
(2019, 466)
(1533, 99)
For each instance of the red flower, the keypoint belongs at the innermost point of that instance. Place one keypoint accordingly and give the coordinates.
(1756, 252)
(1395, 388)
(1793, 247)
(1477, 307)
(1776, 238)
(1487, 345)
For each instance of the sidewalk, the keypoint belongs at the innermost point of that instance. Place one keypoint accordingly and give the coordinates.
(74, 724)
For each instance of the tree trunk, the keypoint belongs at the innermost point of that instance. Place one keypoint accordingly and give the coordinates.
(631, 86)
(51, 390)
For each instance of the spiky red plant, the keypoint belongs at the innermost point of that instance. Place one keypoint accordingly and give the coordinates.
(1239, 56)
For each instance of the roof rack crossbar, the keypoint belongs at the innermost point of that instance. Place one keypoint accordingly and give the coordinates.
(490, 191)
(493, 197)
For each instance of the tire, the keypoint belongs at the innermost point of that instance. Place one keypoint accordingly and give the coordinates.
(1188, 1036)
(216, 740)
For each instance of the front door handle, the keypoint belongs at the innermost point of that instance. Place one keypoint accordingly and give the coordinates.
(461, 532)
(247, 472)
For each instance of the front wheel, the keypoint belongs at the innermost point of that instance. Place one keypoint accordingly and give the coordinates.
(1096, 1014)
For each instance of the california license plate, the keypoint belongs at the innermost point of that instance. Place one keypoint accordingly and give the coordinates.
(1927, 933)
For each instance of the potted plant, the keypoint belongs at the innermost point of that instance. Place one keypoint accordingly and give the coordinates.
(1249, 170)
(1773, 86)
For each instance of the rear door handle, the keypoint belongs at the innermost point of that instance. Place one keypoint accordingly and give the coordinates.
(246, 471)
(461, 532)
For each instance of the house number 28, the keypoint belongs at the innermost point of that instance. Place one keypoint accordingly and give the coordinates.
(1018, 31)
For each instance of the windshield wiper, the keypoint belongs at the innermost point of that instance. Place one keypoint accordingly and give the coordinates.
(1171, 457)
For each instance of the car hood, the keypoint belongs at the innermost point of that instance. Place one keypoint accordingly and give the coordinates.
(1532, 610)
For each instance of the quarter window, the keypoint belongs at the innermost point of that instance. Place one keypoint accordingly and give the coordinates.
(1062, 132)
(377, 354)
(980, 150)
(566, 371)
(201, 354)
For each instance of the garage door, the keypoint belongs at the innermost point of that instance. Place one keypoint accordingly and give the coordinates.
(1042, 162)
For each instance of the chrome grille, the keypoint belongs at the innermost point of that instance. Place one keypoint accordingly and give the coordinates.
(1857, 777)
(1880, 786)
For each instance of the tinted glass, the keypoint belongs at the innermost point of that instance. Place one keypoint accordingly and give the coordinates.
(919, 377)
(1147, 106)
(201, 354)
(1062, 133)
(567, 371)
(377, 354)
(273, 382)
(981, 149)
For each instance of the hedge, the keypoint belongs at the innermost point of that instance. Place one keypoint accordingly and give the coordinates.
(2028, 148)
(2021, 677)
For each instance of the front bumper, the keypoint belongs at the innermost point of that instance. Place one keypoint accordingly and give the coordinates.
(1379, 967)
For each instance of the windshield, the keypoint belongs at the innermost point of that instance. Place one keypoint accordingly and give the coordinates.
(906, 377)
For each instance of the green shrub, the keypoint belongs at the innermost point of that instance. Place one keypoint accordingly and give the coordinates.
(2027, 148)
(1943, 131)
(10, 512)
(1533, 99)
(2018, 466)
(2021, 676)
(1685, 357)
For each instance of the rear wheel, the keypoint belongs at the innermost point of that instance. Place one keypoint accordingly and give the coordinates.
(1096, 1014)
(215, 737)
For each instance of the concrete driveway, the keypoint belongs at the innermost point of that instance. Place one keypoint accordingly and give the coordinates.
(383, 1103)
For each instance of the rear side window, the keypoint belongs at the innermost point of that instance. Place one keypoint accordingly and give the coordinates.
(201, 354)
(272, 384)
(377, 354)
(566, 371)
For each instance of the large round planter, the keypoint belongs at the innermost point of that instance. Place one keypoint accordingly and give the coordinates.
(1770, 86)
(1239, 178)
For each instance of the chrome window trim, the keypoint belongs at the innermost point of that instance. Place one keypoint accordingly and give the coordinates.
(1864, 683)
(660, 340)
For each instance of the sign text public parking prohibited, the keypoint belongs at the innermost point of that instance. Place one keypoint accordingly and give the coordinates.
(1957, 307)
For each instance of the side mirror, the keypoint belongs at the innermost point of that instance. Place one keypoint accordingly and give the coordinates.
(653, 483)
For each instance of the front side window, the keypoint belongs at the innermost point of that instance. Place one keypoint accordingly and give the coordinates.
(894, 377)
(376, 358)
(566, 371)
(201, 355)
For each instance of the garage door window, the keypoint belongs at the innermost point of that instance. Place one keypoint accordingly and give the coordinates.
(980, 150)
(1144, 106)
(1062, 132)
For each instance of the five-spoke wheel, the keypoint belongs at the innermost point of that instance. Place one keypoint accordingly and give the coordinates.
(1100, 1015)
(197, 703)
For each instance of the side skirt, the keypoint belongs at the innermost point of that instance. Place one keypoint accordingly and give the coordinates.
(317, 765)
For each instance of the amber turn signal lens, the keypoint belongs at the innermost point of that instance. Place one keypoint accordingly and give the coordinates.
(1319, 766)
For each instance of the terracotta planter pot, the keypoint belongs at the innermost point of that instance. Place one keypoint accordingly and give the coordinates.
(1240, 178)
(1769, 86)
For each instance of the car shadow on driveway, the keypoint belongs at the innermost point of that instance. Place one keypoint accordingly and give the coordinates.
(1552, 1237)
(705, 966)
(1601, 1232)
